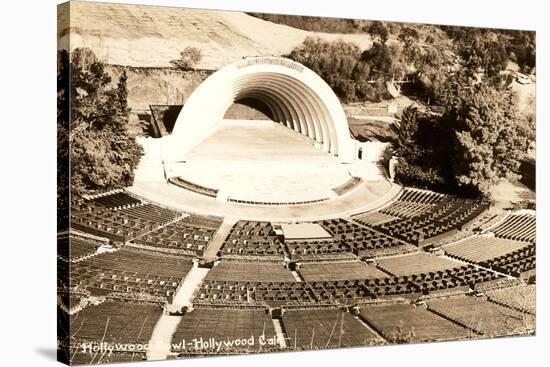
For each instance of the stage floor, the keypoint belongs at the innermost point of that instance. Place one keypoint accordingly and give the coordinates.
(262, 161)
(257, 140)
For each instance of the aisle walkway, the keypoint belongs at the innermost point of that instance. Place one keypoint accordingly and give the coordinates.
(160, 343)
(219, 238)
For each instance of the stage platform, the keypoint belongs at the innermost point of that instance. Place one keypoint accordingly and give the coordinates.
(264, 162)
(261, 170)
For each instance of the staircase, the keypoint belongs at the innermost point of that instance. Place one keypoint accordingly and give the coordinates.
(161, 339)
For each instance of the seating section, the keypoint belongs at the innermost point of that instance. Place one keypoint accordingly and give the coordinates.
(521, 297)
(422, 217)
(449, 281)
(130, 272)
(81, 247)
(226, 325)
(456, 279)
(362, 241)
(482, 248)
(404, 323)
(374, 218)
(191, 234)
(519, 263)
(115, 322)
(416, 263)
(306, 249)
(78, 357)
(315, 328)
(153, 213)
(372, 261)
(250, 238)
(277, 294)
(412, 203)
(448, 215)
(518, 227)
(482, 316)
(328, 270)
(119, 226)
(117, 199)
(230, 270)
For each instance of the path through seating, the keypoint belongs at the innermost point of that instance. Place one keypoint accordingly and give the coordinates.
(219, 238)
(159, 345)
(165, 328)
(280, 334)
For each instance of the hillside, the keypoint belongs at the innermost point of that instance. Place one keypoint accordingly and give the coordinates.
(151, 36)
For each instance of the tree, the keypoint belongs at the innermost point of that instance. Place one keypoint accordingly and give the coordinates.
(406, 143)
(339, 64)
(63, 118)
(488, 141)
(422, 150)
(189, 58)
(378, 28)
(103, 153)
(408, 36)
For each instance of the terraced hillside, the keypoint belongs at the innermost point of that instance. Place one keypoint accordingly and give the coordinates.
(151, 36)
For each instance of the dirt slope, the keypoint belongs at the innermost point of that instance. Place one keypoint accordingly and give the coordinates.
(140, 35)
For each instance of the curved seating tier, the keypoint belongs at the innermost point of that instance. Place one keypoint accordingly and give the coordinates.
(253, 238)
(115, 322)
(404, 322)
(191, 234)
(482, 316)
(114, 225)
(445, 217)
(521, 297)
(482, 248)
(456, 280)
(130, 272)
(329, 270)
(325, 328)
(232, 327)
(518, 227)
(117, 199)
(303, 249)
(361, 240)
(74, 247)
(519, 263)
(419, 262)
(229, 270)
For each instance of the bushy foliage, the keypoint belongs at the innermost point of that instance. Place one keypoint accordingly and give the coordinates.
(423, 151)
(352, 74)
(378, 29)
(189, 58)
(316, 24)
(102, 152)
(490, 50)
(489, 141)
(474, 144)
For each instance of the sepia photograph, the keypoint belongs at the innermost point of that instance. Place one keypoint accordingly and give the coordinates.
(234, 182)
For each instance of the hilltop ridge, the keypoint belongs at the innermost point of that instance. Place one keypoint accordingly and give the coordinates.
(152, 36)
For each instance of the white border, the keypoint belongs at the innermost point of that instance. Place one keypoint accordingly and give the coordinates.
(28, 181)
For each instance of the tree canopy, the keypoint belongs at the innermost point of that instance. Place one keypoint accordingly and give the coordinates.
(102, 152)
